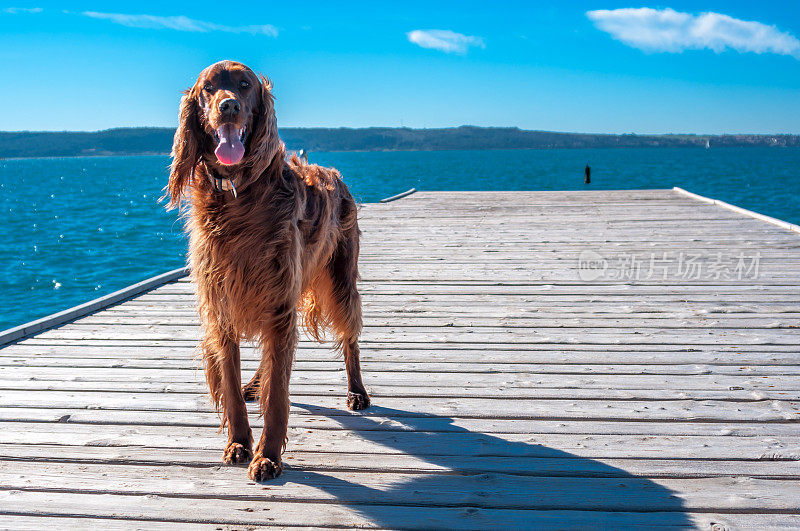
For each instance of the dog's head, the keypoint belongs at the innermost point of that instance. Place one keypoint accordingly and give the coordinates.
(227, 119)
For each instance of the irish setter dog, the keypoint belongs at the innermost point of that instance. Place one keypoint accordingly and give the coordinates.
(269, 240)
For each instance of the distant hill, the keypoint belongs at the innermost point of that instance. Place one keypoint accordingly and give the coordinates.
(158, 140)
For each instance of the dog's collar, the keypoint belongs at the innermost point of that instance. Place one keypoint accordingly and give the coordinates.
(218, 182)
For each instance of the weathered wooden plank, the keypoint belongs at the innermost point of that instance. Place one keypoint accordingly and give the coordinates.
(409, 441)
(543, 300)
(576, 353)
(250, 362)
(500, 355)
(419, 307)
(540, 230)
(493, 391)
(385, 420)
(17, 375)
(497, 287)
(518, 322)
(236, 513)
(499, 407)
(112, 522)
(567, 466)
(484, 334)
(498, 491)
(431, 313)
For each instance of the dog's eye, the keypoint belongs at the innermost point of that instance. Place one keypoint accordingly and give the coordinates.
(209, 87)
(244, 84)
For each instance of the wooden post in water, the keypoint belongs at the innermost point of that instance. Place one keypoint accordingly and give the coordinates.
(587, 171)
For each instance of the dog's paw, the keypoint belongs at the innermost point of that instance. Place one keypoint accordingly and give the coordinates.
(250, 392)
(236, 453)
(357, 401)
(263, 468)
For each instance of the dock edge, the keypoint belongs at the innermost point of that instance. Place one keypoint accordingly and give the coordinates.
(399, 196)
(81, 310)
(739, 210)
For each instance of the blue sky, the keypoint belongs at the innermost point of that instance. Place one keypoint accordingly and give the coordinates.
(710, 67)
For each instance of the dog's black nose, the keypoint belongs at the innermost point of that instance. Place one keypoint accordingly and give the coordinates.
(229, 106)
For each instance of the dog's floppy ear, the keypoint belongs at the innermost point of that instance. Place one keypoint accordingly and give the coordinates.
(185, 148)
(265, 143)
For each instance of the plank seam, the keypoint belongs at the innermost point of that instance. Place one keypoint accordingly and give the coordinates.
(442, 394)
(460, 472)
(421, 505)
(577, 418)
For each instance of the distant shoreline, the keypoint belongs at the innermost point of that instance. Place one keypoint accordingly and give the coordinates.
(157, 141)
(167, 154)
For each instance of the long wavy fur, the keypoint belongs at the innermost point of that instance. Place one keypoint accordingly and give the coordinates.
(287, 244)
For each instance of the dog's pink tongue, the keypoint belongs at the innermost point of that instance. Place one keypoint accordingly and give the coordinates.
(230, 149)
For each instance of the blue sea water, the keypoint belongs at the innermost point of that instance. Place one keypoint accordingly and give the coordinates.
(74, 229)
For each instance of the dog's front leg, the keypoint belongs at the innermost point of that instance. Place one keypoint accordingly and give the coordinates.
(280, 340)
(240, 438)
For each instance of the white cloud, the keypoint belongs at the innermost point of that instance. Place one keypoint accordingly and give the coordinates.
(444, 40)
(180, 23)
(667, 30)
(21, 10)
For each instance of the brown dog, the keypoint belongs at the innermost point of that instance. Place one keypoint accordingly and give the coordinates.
(267, 239)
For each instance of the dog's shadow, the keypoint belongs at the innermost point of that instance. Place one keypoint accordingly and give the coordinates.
(530, 486)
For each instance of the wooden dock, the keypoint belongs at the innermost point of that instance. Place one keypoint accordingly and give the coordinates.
(536, 360)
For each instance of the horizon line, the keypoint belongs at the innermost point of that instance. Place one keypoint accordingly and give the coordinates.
(628, 133)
